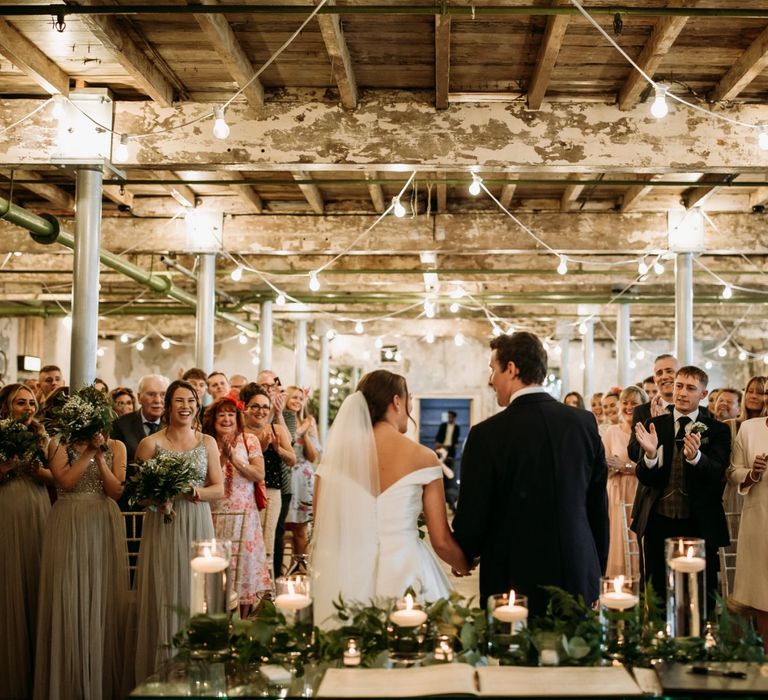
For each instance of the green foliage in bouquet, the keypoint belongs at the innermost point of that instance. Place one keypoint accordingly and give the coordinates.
(159, 479)
(83, 415)
(19, 442)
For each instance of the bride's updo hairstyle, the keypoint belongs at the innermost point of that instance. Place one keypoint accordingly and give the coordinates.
(379, 388)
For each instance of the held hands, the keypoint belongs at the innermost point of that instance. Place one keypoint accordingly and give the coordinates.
(647, 439)
(691, 444)
(658, 407)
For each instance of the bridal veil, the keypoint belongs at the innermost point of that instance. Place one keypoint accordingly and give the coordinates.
(345, 533)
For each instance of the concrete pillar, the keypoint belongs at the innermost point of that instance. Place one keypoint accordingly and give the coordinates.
(622, 345)
(206, 307)
(565, 363)
(588, 347)
(325, 358)
(301, 352)
(85, 277)
(684, 308)
(265, 334)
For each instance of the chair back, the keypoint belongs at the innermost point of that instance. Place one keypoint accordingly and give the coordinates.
(631, 545)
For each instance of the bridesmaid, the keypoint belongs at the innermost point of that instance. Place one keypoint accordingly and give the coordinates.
(163, 573)
(84, 575)
(24, 508)
(243, 466)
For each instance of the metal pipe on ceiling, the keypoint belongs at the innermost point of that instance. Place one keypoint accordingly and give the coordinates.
(45, 229)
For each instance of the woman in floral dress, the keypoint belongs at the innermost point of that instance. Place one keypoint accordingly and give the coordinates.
(243, 466)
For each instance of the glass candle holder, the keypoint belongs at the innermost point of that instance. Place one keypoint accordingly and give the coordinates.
(686, 586)
(407, 630)
(293, 598)
(507, 616)
(353, 655)
(209, 600)
(619, 612)
(444, 648)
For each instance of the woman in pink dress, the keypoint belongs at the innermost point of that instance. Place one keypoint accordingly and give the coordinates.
(243, 465)
(622, 482)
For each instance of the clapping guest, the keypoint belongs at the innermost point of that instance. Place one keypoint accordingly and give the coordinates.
(597, 407)
(728, 404)
(218, 385)
(747, 474)
(622, 482)
(305, 447)
(24, 508)
(574, 399)
(242, 465)
(610, 405)
(123, 401)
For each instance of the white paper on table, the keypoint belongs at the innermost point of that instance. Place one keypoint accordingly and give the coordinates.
(444, 679)
(563, 681)
(648, 681)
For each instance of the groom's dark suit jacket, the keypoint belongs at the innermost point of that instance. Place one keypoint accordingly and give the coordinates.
(704, 481)
(129, 429)
(533, 501)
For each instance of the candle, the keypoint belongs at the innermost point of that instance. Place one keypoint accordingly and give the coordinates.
(292, 600)
(549, 657)
(618, 599)
(408, 616)
(208, 564)
(443, 649)
(352, 656)
(688, 564)
(511, 612)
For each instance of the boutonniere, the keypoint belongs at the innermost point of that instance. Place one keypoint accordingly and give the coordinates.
(699, 427)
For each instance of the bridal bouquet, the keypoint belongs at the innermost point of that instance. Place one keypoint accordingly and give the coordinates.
(159, 479)
(83, 415)
(18, 442)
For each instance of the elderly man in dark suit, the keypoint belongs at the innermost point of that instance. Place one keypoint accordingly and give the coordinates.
(533, 502)
(682, 474)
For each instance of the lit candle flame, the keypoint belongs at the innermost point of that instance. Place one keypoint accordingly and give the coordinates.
(690, 553)
(409, 602)
(511, 597)
(618, 583)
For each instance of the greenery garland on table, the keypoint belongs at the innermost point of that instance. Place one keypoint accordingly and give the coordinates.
(572, 626)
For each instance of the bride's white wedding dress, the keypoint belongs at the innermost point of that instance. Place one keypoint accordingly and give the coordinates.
(366, 544)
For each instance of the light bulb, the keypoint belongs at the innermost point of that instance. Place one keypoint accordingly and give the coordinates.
(430, 338)
(708, 364)
(314, 283)
(124, 338)
(58, 106)
(583, 328)
(429, 309)
(166, 344)
(658, 268)
(457, 292)
(511, 330)
(458, 339)
(255, 360)
(220, 126)
(642, 268)
(359, 327)
(398, 357)
(242, 339)
(121, 153)
(100, 352)
(140, 346)
(727, 291)
(640, 354)
(330, 334)
(562, 268)
(399, 209)
(742, 356)
(721, 352)
(454, 308)
(659, 108)
(67, 320)
(496, 331)
(379, 343)
(632, 364)
(765, 359)
(236, 274)
(762, 139)
(474, 188)
(280, 299)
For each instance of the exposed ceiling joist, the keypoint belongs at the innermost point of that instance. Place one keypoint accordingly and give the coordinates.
(570, 195)
(442, 60)
(52, 193)
(507, 193)
(442, 198)
(376, 193)
(29, 58)
(548, 53)
(311, 192)
(181, 192)
(747, 67)
(119, 195)
(245, 192)
(631, 198)
(336, 46)
(706, 186)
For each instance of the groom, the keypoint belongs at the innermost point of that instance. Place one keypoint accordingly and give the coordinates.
(533, 502)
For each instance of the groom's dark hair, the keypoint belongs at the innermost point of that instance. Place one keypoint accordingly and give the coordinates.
(526, 351)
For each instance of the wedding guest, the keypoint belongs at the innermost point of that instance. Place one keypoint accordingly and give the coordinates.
(24, 508)
(597, 407)
(198, 379)
(242, 465)
(559, 508)
(236, 383)
(746, 473)
(574, 399)
(84, 575)
(681, 475)
(728, 405)
(276, 448)
(218, 385)
(163, 574)
(650, 388)
(305, 447)
(712, 400)
(610, 406)
(49, 380)
(101, 385)
(622, 482)
(123, 401)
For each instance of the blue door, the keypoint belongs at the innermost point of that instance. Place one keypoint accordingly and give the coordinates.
(433, 412)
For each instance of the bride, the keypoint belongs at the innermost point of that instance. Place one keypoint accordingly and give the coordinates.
(371, 487)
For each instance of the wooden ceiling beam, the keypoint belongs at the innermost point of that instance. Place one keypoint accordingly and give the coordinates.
(246, 193)
(111, 33)
(442, 198)
(51, 193)
(705, 187)
(548, 53)
(182, 193)
(747, 67)
(663, 36)
(759, 197)
(222, 37)
(376, 193)
(119, 195)
(632, 196)
(311, 192)
(507, 193)
(570, 195)
(442, 60)
(338, 51)
(31, 60)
